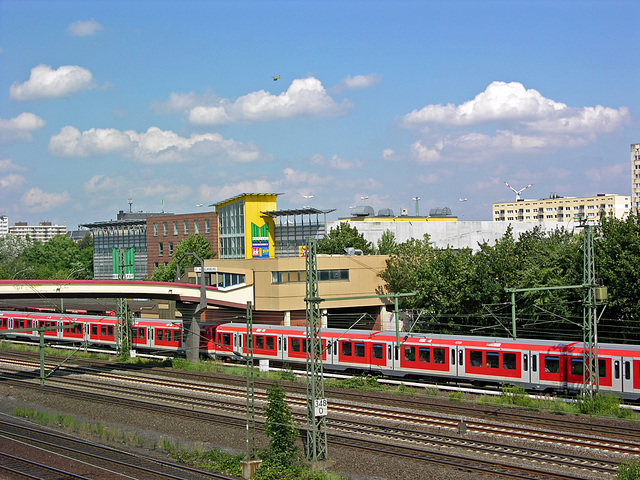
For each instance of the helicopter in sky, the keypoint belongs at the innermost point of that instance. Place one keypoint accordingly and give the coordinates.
(276, 78)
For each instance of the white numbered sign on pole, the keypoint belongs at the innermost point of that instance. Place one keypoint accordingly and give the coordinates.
(321, 407)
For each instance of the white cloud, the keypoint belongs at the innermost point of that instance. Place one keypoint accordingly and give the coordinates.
(297, 177)
(36, 200)
(84, 28)
(7, 165)
(514, 119)
(336, 162)
(184, 102)
(606, 173)
(12, 181)
(46, 83)
(358, 81)
(20, 127)
(211, 193)
(153, 146)
(304, 98)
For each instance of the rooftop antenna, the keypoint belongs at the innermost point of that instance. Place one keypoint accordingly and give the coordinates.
(130, 202)
(518, 192)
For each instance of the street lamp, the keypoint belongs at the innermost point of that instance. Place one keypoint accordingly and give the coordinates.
(417, 200)
(364, 198)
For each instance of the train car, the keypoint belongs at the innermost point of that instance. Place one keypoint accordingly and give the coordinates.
(618, 369)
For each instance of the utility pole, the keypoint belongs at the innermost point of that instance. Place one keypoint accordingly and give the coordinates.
(123, 328)
(590, 377)
(316, 401)
(251, 462)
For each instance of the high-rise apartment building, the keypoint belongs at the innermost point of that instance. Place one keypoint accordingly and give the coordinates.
(4, 225)
(563, 209)
(44, 232)
(635, 176)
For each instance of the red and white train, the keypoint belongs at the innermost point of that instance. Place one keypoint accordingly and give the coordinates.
(539, 365)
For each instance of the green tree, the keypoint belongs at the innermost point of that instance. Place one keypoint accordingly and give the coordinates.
(344, 236)
(58, 258)
(386, 244)
(195, 243)
(279, 426)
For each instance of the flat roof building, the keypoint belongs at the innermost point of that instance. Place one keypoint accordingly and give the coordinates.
(563, 209)
(635, 176)
(43, 232)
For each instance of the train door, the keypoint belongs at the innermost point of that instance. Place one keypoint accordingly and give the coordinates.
(460, 361)
(532, 359)
(626, 372)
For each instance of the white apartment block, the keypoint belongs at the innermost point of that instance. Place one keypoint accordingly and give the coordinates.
(563, 209)
(43, 232)
(635, 176)
(4, 225)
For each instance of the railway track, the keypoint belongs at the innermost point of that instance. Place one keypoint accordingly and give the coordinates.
(93, 460)
(386, 429)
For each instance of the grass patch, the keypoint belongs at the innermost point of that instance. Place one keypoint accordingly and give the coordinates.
(629, 470)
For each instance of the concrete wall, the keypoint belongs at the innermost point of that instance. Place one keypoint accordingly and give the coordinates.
(457, 235)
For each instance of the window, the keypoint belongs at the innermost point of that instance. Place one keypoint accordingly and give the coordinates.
(259, 341)
(359, 350)
(493, 360)
(170, 248)
(196, 226)
(509, 361)
(186, 227)
(207, 226)
(165, 229)
(424, 354)
(377, 351)
(409, 354)
(439, 356)
(552, 364)
(475, 358)
(160, 249)
(160, 335)
(295, 344)
(271, 343)
(155, 229)
(346, 349)
(175, 228)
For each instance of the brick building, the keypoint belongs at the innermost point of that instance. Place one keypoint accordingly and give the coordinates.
(165, 233)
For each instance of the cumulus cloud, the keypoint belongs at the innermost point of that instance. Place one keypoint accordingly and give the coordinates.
(213, 193)
(358, 81)
(84, 28)
(7, 165)
(12, 181)
(20, 127)
(523, 121)
(185, 102)
(305, 97)
(336, 162)
(153, 146)
(37, 200)
(46, 83)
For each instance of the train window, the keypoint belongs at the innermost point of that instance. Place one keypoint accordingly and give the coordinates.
(28, 323)
(279, 343)
(134, 333)
(240, 341)
(439, 356)
(271, 343)
(525, 362)
(475, 358)
(103, 330)
(226, 339)
(359, 350)
(110, 331)
(259, 341)
(552, 364)
(461, 357)
(424, 354)
(602, 368)
(295, 344)
(94, 330)
(453, 357)
(389, 352)
(346, 349)
(159, 334)
(377, 351)
(493, 360)
(176, 336)
(627, 370)
(141, 333)
(397, 353)
(509, 361)
(616, 366)
(409, 354)
(534, 363)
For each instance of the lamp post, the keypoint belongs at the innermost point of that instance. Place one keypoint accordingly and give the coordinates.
(417, 200)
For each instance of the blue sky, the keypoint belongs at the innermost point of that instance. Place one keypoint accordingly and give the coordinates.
(175, 102)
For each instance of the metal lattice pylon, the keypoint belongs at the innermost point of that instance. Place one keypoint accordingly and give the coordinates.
(590, 378)
(316, 426)
(123, 328)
